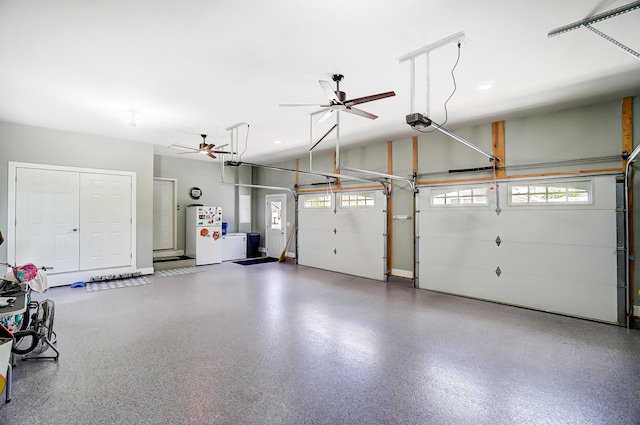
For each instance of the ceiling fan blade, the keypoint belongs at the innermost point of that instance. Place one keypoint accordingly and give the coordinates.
(325, 116)
(360, 112)
(208, 147)
(329, 90)
(301, 104)
(176, 145)
(209, 154)
(371, 98)
(225, 152)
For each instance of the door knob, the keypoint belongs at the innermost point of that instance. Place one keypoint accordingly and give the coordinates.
(74, 229)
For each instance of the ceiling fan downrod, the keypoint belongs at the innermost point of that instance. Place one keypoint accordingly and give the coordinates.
(342, 96)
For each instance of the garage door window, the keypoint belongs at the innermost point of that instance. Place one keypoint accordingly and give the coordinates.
(476, 196)
(320, 201)
(351, 200)
(545, 193)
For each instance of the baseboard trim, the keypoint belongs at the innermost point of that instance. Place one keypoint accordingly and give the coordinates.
(62, 279)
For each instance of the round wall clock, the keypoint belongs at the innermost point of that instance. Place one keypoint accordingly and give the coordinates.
(195, 193)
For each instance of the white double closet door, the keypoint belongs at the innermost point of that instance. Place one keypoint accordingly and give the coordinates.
(73, 220)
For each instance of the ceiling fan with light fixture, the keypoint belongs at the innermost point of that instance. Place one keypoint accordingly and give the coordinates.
(204, 148)
(338, 100)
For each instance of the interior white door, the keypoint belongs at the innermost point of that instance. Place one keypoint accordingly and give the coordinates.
(47, 218)
(276, 225)
(164, 214)
(105, 201)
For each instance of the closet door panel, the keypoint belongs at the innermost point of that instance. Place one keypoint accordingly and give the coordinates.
(105, 222)
(47, 219)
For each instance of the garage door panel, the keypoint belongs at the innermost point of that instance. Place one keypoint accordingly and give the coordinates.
(566, 296)
(316, 239)
(560, 261)
(316, 220)
(554, 258)
(360, 265)
(461, 224)
(355, 245)
(358, 239)
(546, 294)
(467, 281)
(368, 242)
(523, 225)
(460, 253)
(559, 226)
(359, 220)
(314, 257)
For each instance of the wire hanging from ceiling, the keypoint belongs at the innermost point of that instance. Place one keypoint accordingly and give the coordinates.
(246, 143)
(455, 88)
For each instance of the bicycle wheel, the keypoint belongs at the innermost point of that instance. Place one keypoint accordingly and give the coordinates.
(25, 341)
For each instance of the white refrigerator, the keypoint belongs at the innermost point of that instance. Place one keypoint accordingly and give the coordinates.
(204, 232)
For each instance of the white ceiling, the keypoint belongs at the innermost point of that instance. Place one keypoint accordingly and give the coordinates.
(199, 66)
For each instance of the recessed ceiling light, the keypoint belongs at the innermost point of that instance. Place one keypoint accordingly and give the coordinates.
(277, 142)
(132, 121)
(484, 86)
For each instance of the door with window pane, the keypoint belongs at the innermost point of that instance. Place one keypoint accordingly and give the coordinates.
(276, 225)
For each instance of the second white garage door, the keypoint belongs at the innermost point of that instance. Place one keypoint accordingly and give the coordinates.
(552, 247)
(347, 237)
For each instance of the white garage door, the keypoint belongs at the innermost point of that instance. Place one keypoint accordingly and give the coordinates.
(349, 237)
(552, 247)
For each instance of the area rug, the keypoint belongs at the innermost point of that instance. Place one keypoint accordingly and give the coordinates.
(117, 283)
(253, 261)
(176, 272)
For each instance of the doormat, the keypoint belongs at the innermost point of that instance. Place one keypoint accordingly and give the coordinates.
(256, 261)
(118, 283)
(176, 272)
(175, 258)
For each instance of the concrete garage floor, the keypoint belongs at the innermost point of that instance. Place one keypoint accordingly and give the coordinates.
(278, 343)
